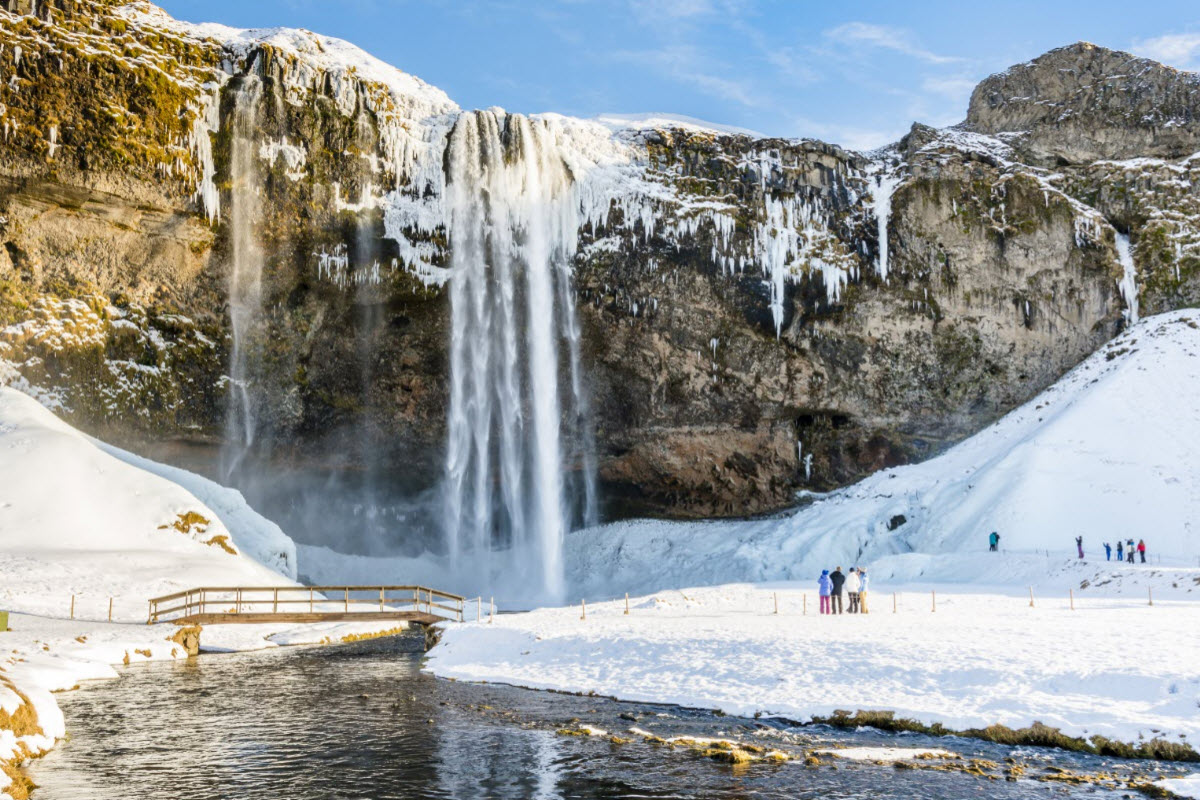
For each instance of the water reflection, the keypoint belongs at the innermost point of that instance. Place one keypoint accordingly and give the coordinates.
(361, 722)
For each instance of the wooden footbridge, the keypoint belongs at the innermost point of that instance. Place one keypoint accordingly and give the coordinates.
(266, 604)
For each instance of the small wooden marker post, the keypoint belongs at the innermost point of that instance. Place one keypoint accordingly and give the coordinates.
(933, 595)
(110, 609)
(1071, 592)
(893, 602)
(627, 604)
(583, 605)
(491, 609)
(72, 606)
(479, 608)
(804, 603)
(776, 596)
(1150, 594)
(1031, 597)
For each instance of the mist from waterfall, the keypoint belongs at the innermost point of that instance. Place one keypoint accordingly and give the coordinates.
(245, 278)
(511, 472)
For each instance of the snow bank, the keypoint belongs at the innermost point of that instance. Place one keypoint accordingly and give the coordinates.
(79, 518)
(1111, 451)
(253, 534)
(980, 659)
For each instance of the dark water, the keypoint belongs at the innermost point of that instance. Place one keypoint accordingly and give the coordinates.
(361, 722)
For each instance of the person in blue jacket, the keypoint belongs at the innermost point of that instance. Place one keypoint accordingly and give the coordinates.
(862, 592)
(824, 589)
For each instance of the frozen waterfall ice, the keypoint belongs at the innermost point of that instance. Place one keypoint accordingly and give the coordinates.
(516, 437)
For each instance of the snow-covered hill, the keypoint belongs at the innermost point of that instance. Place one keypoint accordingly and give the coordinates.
(1112, 451)
(81, 518)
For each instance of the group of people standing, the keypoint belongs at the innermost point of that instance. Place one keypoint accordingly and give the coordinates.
(831, 585)
(1124, 548)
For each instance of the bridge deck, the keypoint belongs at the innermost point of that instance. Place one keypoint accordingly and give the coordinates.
(209, 605)
(253, 618)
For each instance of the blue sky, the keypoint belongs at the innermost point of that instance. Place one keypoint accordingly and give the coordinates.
(855, 73)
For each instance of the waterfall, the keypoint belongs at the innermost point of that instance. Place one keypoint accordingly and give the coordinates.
(881, 203)
(1128, 283)
(513, 218)
(245, 280)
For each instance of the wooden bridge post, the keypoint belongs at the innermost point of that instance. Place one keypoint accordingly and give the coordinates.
(346, 597)
(310, 600)
(203, 599)
(381, 598)
(238, 609)
(150, 613)
(110, 609)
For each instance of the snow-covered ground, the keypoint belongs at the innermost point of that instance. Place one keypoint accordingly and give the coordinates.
(1113, 666)
(82, 522)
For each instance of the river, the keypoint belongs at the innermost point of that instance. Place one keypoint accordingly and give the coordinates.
(362, 722)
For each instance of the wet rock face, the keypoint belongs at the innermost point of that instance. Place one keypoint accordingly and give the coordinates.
(1083, 103)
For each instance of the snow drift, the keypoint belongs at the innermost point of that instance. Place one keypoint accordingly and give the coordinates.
(1111, 451)
(80, 518)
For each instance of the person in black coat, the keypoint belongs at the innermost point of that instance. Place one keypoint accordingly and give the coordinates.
(835, 599)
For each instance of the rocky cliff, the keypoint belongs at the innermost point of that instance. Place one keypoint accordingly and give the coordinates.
(757, 318)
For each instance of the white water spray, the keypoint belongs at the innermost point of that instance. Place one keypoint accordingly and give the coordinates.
(513, 218)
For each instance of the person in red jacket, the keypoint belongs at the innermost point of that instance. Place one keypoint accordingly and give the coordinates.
(1142, 549)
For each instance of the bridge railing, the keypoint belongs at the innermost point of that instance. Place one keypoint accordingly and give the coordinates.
(283, 600)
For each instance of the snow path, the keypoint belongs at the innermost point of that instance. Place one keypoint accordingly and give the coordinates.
(982, 658)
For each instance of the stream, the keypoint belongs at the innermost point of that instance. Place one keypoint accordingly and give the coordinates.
(362, 722)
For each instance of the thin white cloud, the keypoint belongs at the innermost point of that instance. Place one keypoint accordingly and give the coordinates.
(885, 37)
(1180, 50)
(686, 64)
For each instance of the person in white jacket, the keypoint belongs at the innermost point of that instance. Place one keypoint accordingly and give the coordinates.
(853, 587)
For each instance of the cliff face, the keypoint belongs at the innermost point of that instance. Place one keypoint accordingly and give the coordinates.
(1084, 103)
(746, 332)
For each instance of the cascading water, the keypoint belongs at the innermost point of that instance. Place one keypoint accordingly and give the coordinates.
(245, 282)
(513, 218)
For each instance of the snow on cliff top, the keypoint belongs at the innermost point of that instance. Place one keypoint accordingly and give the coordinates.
(321, 54)
(1111, 451)
(654, 120)
(77, 517)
